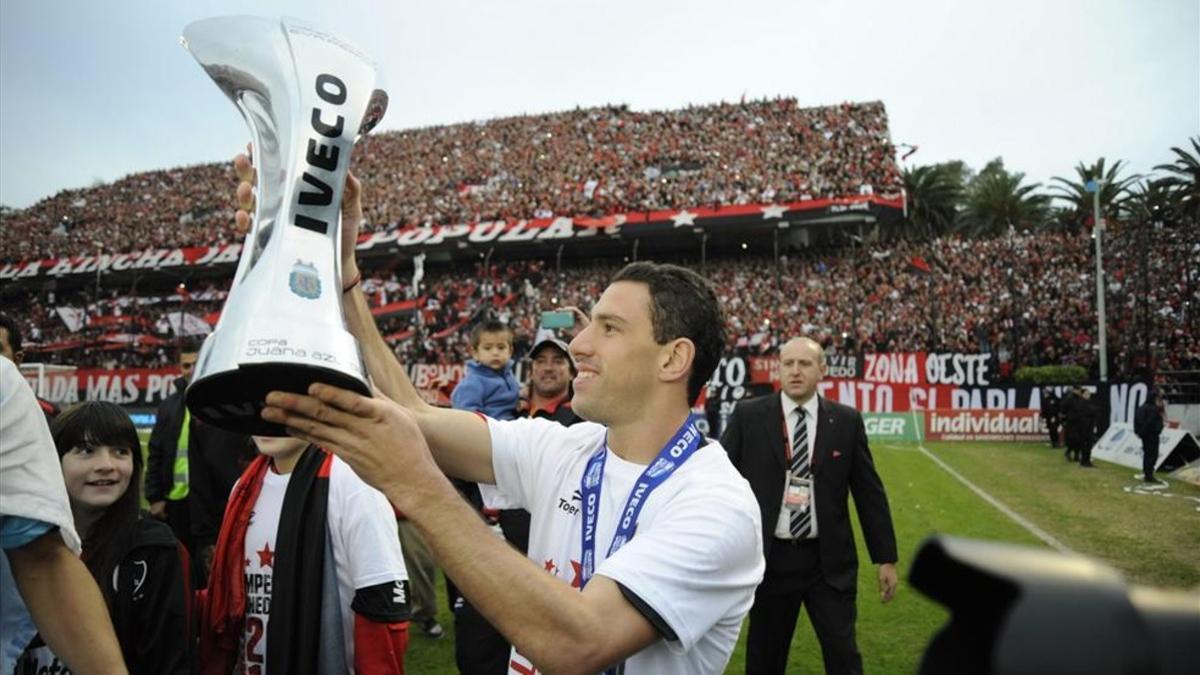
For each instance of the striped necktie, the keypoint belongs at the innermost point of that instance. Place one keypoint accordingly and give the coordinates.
(801, 525)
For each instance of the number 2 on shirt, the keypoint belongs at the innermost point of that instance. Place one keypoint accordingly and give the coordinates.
(254, 635)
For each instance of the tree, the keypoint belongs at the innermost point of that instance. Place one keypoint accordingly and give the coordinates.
(996, 200)
(1183, 183)
(1150, 200)
(934, 194)
(1080, 202)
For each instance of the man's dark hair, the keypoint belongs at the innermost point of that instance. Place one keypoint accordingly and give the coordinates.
(489, 326)
(14, 332)
(682, 304)
(187, 346)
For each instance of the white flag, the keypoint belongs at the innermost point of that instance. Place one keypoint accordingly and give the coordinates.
(72, 317)
(182, 323)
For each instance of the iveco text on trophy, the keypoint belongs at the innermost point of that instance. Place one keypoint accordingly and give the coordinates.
(307, 97)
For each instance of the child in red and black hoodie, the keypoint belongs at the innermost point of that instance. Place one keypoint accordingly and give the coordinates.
(308, 575)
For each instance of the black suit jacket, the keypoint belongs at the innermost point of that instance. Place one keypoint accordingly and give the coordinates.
(841, 464)
(1147, 421)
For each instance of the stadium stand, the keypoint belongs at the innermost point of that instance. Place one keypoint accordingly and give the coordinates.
(1027, 298)
(585, 161)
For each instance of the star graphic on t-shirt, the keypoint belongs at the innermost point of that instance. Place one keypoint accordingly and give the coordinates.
(577, 582)
(266, 557)
(550, 566)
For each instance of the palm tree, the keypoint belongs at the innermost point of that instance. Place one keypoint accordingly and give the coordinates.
(996, 200)
(1150, 200)
(1184, 181)
(1113, 192)
(934, 192)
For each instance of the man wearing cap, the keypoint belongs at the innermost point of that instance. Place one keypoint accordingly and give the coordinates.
(550, 383)
(479, 648)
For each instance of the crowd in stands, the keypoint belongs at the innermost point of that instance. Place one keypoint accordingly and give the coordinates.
(117, 328)
(1029, 299)
(170, 208)
(584, 161)
(612, 159)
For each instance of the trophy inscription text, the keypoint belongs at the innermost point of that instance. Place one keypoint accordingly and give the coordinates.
(332, 90)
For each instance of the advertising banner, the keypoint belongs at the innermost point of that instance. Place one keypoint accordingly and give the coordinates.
(893, 426)
(889, 386)
(135, 387)
(1119, 445)
(984, 425)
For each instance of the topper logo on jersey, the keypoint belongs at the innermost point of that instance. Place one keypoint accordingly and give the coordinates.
(332, 90)
(567, 507)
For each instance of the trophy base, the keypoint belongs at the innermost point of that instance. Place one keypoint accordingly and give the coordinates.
(234, 399)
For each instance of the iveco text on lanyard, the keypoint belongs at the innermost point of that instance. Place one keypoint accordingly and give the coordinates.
(682, 445)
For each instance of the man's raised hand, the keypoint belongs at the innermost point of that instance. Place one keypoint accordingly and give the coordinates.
(376, 437)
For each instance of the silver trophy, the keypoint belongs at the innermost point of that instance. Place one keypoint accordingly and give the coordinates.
(308, 97)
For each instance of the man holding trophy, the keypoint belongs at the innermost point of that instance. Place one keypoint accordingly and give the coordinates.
(670, 599)
(679, 527)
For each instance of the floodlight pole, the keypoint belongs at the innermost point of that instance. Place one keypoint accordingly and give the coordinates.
(1098, 235)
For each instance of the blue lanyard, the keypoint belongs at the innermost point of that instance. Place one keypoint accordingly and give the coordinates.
(682, 446)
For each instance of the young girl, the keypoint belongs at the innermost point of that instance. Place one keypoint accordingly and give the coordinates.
(142, 570)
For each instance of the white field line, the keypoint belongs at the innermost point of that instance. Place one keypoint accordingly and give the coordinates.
(1000, 506)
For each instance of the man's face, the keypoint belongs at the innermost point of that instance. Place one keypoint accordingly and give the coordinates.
(616, 356)
(800, 369)
(187, 363)
(494, 349)
(551, 373)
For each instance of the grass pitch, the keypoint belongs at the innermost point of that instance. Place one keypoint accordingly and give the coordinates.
(1105, 513)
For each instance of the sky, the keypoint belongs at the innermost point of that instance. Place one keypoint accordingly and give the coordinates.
(92, 91)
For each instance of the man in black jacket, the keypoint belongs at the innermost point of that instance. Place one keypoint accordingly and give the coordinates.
(191, 469)
(1082, 425)
(1050, 413)
(1066, 413)
(803, 455)
(1148, 425)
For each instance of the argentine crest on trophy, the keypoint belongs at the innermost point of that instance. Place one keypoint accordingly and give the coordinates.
(304, 280)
